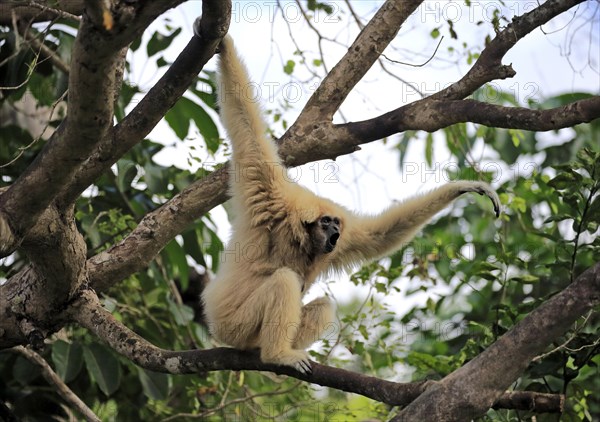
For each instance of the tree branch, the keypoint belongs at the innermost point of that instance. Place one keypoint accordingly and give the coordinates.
(54, 380)
(472, 389)
(31, 299)
(489, 64)
(433, 115)
(157, 229)
(96, 55)
(213, 25)
(32, 11)
(88, 312)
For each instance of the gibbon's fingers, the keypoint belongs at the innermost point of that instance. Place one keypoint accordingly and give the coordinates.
(484, 189)
(303, 366)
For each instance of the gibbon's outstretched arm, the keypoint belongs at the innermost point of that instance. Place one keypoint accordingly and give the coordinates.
(240, 111)
(255, 165)
(372, 237)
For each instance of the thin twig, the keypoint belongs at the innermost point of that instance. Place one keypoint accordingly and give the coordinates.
(412, 64)
(62, 389)
(57, 12)
(564, 345)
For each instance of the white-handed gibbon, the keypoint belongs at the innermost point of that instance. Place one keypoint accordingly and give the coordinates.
(284, 237)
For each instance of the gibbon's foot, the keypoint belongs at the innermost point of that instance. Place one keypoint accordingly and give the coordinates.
(297, 359)
(484, 189)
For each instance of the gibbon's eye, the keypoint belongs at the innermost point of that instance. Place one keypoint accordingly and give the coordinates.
(326, 220)
(336, 221)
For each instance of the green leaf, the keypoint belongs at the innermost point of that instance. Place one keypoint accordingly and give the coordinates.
(156, 178)
(425, 361)
(315, 5)
(161, 62)
(127, 171)
(68, 359)
(516, 136)
(558, 217)
(435, 33)
(289, 67)
(160, 42)
(154, 384)
(136, 44)
(453, 33)
(358, 348)
(176, 256)
(518, 204)
(24, 371)
(207, 129)
(178, 118)
(192, 246)
(103, 367)
(183, 314)
(184, 111)
(525, 279)
(208, 98)
(381, 287)
(429, 149)
(566, 180)
(363, 331)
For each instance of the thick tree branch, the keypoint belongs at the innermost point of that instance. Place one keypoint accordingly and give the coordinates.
(434, 115)
(96, 55)
(89, 313)
(213, 25)
(57, 255)
(75, 139)
(157, 229)
(331, 141)
(471, 390)
(54, 380)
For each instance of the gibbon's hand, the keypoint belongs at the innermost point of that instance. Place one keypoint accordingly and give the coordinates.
(303, 366)
(483, 188)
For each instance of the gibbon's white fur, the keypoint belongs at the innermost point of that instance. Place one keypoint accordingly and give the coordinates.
(284, 236)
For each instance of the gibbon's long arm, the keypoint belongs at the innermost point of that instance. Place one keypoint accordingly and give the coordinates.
(257, 177)
(375, 236)
(241, 116)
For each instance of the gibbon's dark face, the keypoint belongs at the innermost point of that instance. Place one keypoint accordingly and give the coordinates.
(325, 233)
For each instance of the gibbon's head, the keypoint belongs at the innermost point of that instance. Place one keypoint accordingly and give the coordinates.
(325, 233)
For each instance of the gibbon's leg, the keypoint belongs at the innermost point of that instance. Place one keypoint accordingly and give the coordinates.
(281, 310)
(317, 317)
(374, 236)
